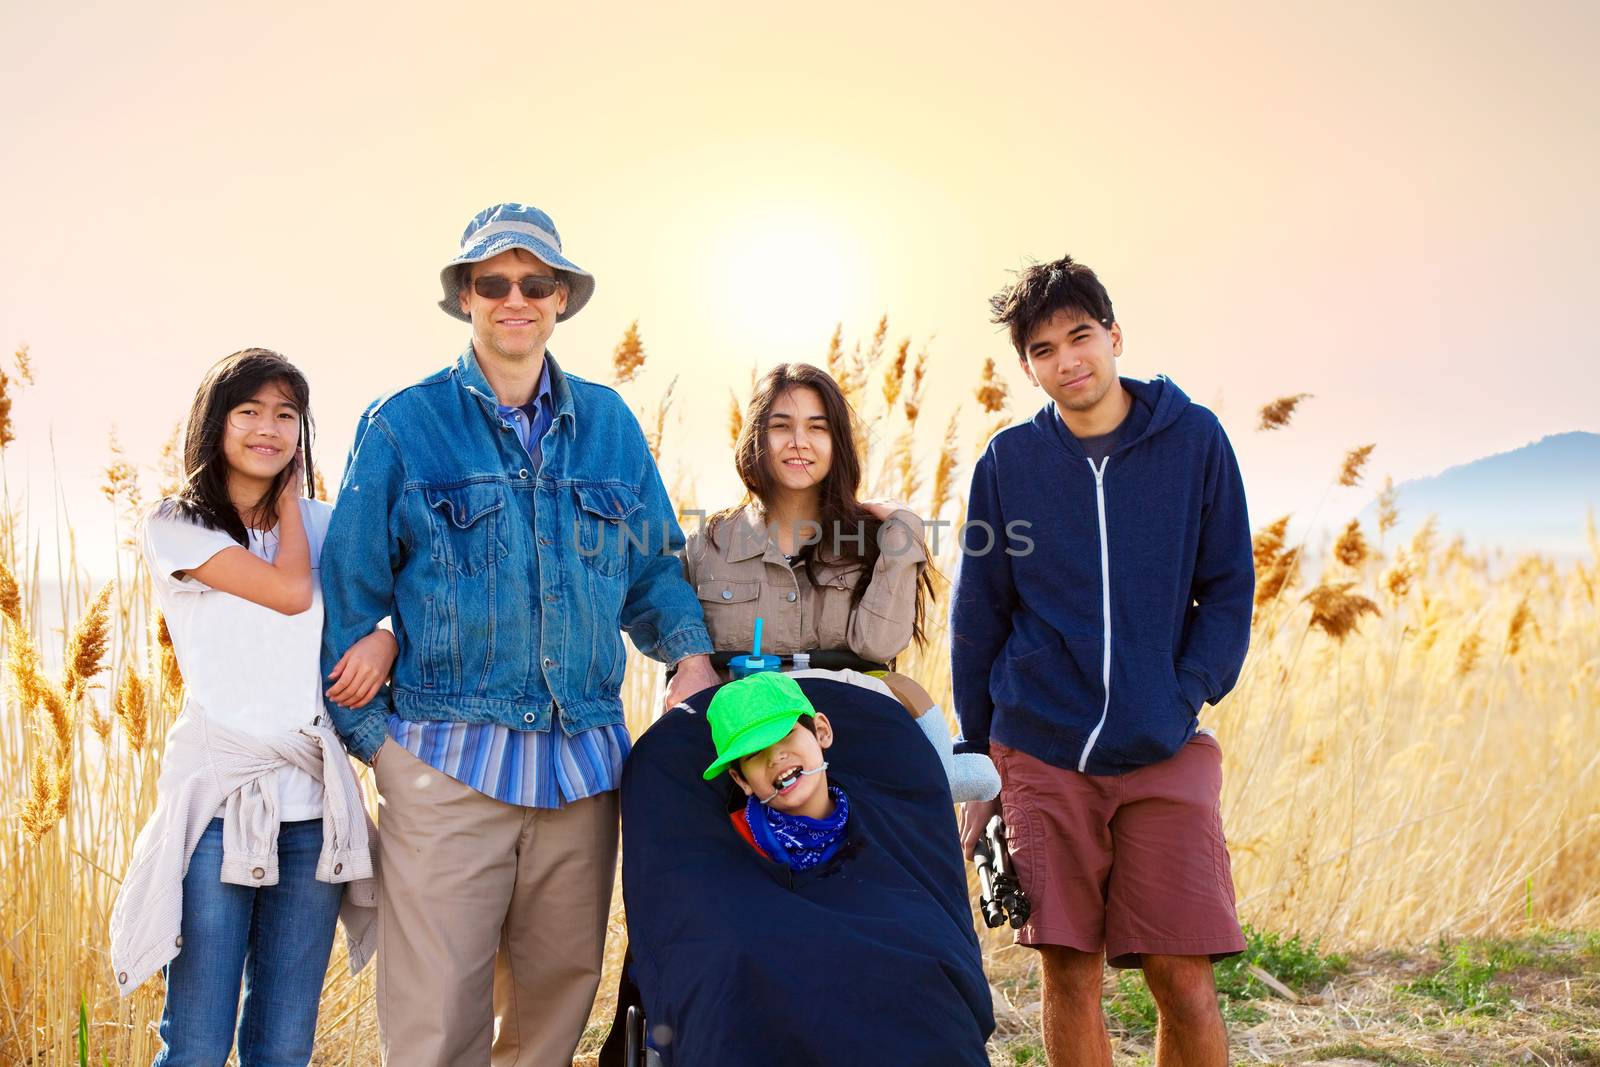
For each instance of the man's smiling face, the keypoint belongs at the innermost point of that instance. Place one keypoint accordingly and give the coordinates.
(1073, 359)
(513, 328)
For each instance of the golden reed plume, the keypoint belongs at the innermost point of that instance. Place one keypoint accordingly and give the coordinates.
(1351, 548)
(7, 435)
(1467, 654)
(86, 650)
(895, 377)
(1388, 512)
(1283, 575)
(658, 429)
(1397, 579)
(991, 392)
(10, 596)
(122, 478)
(944, 469)
(132, 708)
(850, 371)
(1276, 415)
(169, 466)
(1267, 544)
(38, 810)
(913, 401)
(906, 464)
(735, 418)
(171, 676)
(628, 357)
(1336, 611)
(24, 364)
(1354, 461)
(1522, 621)
(50, 704)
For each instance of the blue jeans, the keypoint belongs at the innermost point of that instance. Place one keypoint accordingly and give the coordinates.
(276, 938)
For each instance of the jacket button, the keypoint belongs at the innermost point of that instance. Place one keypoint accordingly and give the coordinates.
(178, 941)
(523, 473)
(727, 594)
(258, 873)
(790, 597)
(548, 663)
(122, 978)
(338, 868)
(528, 717)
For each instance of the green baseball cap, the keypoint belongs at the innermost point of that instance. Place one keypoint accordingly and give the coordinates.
(749, 715)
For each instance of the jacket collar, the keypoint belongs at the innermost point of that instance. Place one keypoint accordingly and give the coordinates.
(472, 379)
(746, 537)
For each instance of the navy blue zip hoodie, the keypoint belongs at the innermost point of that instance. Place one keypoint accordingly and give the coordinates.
(1117, 596)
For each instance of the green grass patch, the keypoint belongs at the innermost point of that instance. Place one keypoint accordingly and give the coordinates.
(1356, 1050)
(1466, 981)
(1465, 984)
(1298, 963)
(1131, 1008)
(1027, 1055)
(1580, 1051)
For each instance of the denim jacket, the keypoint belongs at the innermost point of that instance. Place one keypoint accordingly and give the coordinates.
(436, 524)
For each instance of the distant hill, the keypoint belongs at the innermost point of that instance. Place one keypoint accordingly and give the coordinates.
(1532, 499)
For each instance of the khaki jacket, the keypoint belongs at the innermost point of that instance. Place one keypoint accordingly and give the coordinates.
(740, 574)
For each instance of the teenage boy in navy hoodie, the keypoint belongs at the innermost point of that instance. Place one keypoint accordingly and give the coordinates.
(1113, 602)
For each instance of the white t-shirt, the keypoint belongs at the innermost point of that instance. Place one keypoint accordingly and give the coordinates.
(253, 669)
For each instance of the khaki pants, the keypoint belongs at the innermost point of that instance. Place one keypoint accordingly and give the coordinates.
(488, 913)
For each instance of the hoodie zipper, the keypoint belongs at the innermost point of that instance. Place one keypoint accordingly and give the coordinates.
(1105, 608)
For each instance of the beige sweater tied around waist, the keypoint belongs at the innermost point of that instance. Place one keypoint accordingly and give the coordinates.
(208, 766)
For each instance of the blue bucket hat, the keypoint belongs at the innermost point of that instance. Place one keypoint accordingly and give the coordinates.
(495, 229)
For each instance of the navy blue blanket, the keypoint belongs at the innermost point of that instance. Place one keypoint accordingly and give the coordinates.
(870, 958)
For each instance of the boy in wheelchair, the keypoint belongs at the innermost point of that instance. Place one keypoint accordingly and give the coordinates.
(770, 741)
(831, 924)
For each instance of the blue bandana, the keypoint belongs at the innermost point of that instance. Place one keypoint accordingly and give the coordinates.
(794, 840)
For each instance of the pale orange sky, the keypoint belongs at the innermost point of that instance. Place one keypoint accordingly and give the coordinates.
(1389, 206)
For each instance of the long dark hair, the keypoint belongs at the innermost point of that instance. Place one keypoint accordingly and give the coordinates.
(203, 498)
(849, 531)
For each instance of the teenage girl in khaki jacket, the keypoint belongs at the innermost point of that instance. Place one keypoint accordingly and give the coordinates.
(823, 570)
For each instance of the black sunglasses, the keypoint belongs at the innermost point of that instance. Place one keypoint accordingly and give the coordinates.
(498, 286)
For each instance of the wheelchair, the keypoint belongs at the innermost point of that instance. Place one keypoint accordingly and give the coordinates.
(735, 960)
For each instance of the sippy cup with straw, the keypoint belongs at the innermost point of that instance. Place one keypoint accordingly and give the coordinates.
(755, 662)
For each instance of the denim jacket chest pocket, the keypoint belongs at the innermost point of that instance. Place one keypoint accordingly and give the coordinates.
(601, 532)
(466, 523)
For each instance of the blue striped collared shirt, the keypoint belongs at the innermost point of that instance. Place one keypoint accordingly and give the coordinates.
(536, 769)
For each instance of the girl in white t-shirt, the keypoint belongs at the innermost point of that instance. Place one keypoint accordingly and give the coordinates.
(233, 558)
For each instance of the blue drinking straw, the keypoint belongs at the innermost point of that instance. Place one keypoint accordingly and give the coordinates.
(755, 662)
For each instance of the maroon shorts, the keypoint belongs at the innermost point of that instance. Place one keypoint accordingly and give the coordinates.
(1125, 864)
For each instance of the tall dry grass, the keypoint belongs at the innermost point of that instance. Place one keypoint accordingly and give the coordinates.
(1411, 750)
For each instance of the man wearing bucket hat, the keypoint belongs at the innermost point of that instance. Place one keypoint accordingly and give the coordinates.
(508, 516)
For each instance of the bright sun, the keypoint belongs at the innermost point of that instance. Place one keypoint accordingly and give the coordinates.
(788, 281)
